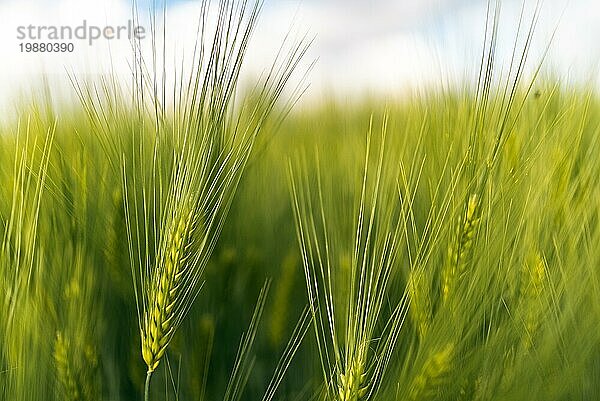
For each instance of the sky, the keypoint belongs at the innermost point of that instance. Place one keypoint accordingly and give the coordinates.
(384, 47)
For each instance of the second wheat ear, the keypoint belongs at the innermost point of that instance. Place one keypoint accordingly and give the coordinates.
(355, 335)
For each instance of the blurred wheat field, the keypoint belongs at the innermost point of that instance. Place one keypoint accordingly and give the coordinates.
(520, 323)
(439, 247)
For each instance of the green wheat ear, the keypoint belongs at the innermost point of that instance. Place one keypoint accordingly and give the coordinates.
(160, 319)
(460, 250)
(65, 372)
(436, 368)
(352, 383)
(355, 337)
(533, 280)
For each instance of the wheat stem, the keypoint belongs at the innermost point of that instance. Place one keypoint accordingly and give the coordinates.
(147, 386)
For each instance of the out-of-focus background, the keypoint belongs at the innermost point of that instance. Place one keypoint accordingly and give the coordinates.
(360, 47)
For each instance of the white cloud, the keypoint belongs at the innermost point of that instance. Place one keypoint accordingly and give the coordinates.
(380, 45)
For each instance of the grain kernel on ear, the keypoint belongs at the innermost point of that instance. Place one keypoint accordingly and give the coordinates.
(158, 329)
